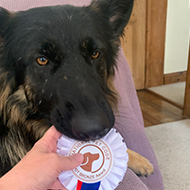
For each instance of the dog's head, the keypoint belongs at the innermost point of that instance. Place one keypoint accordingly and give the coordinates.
(59, 62)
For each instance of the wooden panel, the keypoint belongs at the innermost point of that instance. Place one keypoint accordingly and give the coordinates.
(133, 43)
(186, 110)
(175, 77)
(156, 29)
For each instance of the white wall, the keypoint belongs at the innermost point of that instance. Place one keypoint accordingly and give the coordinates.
(177, 36)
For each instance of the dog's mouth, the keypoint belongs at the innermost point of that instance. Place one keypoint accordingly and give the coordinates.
(83, 126)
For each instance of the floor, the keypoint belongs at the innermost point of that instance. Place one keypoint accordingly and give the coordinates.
(174, 92)
(156, 110)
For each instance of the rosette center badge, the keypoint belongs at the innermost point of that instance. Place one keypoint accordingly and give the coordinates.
(98, 160)
(104, 164)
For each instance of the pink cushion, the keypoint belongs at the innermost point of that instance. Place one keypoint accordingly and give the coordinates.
(18, 5)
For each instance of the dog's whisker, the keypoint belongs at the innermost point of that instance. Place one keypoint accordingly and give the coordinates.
(65, 78)
(70, 17)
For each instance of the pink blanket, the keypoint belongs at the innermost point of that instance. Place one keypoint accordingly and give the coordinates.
(129, 122)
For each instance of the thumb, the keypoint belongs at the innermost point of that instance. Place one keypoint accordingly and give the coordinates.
(71, 162)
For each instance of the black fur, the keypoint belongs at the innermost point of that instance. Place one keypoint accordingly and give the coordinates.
(56, 64)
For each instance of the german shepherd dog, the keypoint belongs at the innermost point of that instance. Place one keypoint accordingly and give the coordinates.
(56, 68)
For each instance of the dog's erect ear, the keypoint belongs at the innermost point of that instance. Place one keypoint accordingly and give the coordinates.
(117, 11)
(4, 16)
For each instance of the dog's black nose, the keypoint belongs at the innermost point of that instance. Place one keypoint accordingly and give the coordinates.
(90, 128)
(87, 137)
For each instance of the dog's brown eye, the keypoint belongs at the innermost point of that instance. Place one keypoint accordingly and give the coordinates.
(95, 54)
(42, 60)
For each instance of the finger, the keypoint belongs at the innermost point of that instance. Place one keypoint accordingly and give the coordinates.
(71, 162)
(52, 134)
(57, 185)
(50, 138)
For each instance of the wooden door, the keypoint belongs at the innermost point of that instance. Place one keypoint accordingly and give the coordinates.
(144, 42)
(155, 39)
(133, 43)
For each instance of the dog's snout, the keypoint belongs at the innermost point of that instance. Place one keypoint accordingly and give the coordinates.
(102, 133)
(91, 128)
(86, 137)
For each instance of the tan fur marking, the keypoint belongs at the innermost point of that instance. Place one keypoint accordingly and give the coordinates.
(6, 89)
(94, 6)
(15, 110)
(15, 147)
(33, 128)
(139, 164)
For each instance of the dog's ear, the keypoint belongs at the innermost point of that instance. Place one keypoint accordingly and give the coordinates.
(117, 11)
(4, 17)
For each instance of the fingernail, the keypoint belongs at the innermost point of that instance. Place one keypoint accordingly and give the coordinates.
(79, 157)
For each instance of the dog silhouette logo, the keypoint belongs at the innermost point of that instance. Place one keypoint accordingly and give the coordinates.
(88, 161)
(98, 160)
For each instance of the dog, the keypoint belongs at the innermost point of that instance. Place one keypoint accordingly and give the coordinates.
(57, 68)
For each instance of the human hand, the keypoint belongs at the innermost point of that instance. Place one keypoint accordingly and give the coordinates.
(39, 169)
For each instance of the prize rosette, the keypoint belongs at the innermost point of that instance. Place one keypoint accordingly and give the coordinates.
(104, 165)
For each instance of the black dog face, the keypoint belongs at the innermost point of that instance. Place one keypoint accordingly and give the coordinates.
(58, 63)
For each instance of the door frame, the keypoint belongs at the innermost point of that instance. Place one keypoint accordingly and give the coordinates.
(155, 42)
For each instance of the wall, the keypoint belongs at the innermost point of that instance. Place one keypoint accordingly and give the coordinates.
(177, 36)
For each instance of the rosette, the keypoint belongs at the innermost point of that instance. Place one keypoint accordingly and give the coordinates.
(104, 165)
